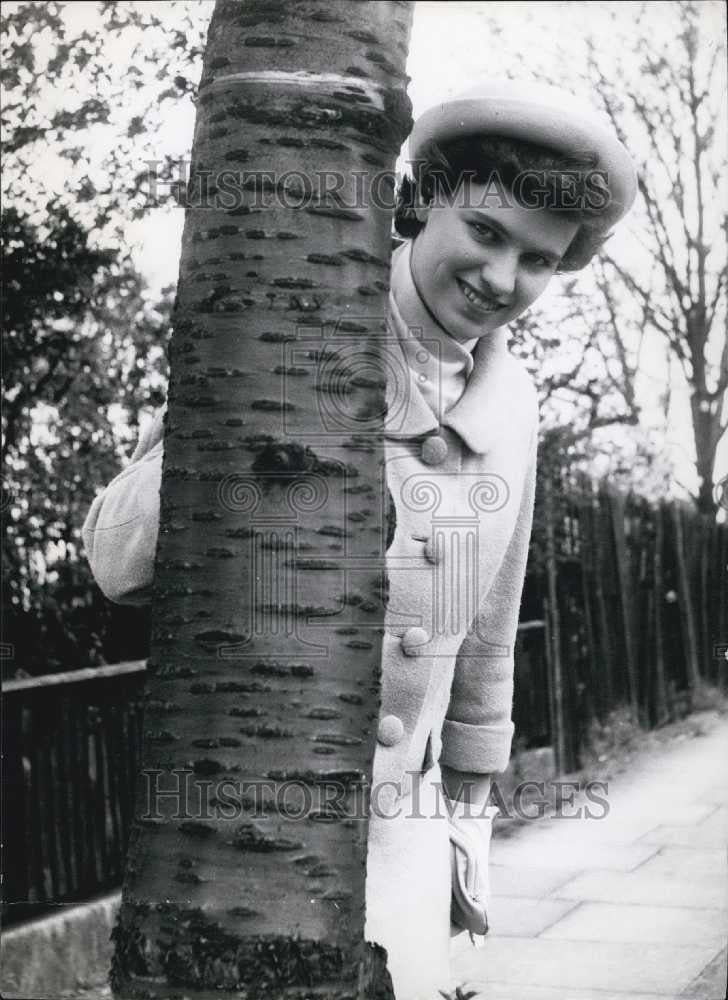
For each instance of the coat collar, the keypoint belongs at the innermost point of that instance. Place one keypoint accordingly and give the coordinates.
(496, 383)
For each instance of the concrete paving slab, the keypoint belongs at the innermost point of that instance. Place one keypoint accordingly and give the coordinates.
(571, 852)
(687, 836)
(651, 924)
(629, 818)
(574, 965)
(718, 820)
(534, 883)
(635, 887)
(687, 862)
(518, 917)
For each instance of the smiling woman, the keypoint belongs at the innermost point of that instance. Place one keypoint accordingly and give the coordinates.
(494, 216)
(480, 268)
(461, 435)
(512, 183)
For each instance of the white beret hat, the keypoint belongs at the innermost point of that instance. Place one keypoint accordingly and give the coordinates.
(539, 114)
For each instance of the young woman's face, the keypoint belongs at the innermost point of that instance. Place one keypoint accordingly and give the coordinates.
(479, 267)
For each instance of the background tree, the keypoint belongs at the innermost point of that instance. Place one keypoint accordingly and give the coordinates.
(87, 90)
(653, 303)
(83, 352)
(586, 384)
(677, 129)
(275, 386)
(83, 348)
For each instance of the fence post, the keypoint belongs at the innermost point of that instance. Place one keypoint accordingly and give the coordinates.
(661, 712)
(586, 541)
(604, 619)
(616, 503)
(687, 616)
(722, 636)
(706, 652)
(557, 686)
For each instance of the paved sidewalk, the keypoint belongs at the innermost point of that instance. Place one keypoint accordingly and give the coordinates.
(633, 906)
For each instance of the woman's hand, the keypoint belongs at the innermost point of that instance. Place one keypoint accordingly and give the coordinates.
(152, 435)
(471, 826)
(470, 835)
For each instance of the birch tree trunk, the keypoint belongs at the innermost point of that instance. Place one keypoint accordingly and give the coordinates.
(246, 867)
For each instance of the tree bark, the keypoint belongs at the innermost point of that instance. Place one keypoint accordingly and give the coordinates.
(263, 689)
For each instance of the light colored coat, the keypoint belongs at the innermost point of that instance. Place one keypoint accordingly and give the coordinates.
(463, 491)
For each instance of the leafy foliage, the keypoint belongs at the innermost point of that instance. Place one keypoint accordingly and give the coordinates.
(83, 356)
(86, 90)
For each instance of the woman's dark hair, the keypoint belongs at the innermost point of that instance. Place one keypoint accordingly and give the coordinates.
(533, 175)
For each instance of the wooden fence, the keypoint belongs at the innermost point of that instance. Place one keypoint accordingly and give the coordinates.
(625, 605)
(635, 603)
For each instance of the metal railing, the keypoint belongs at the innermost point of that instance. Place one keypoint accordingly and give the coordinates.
(70, 759)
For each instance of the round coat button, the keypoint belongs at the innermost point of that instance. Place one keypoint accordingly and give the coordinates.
(433, 550)
(390, 731)
(434, 450)
(413, 641)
